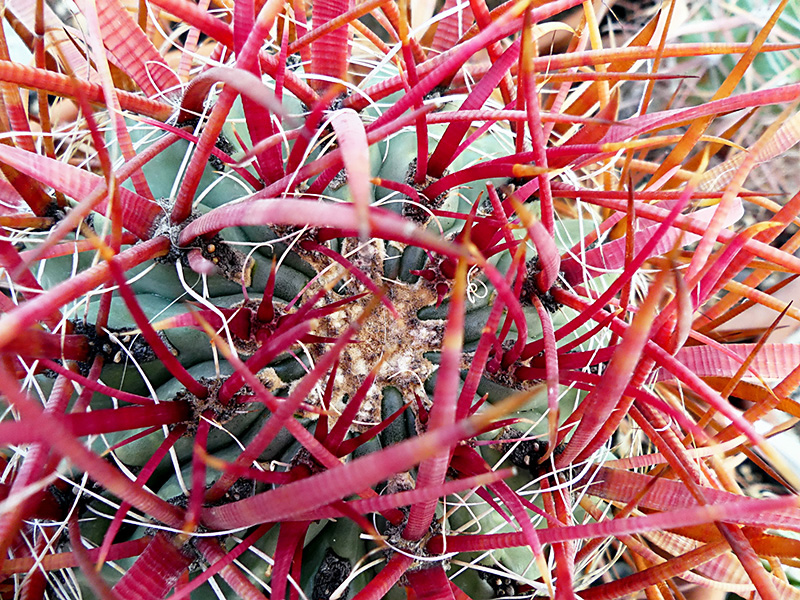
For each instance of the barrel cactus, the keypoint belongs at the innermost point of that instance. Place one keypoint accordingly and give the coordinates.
(346, 301)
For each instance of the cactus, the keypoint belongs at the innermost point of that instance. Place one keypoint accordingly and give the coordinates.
(291, 310)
